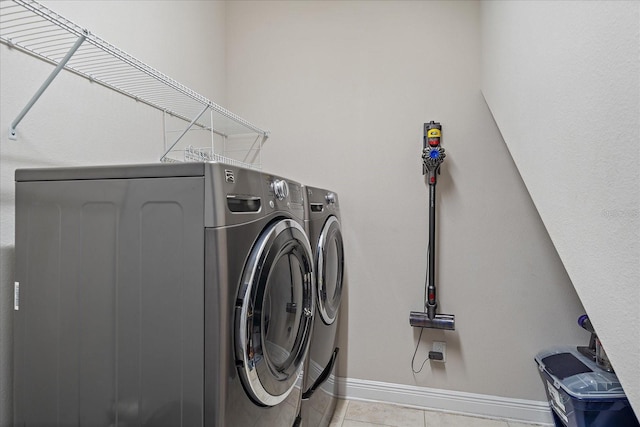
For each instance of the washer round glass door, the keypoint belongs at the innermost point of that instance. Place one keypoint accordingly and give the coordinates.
(274, 312)
(330, 270)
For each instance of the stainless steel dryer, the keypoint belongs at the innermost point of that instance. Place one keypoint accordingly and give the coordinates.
(160, 295)
(322, 220)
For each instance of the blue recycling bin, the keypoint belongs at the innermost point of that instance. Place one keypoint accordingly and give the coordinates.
(580, 393)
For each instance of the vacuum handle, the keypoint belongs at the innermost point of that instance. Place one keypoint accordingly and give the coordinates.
(432, 153)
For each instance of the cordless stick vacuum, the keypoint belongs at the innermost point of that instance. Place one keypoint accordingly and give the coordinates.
(432, 157)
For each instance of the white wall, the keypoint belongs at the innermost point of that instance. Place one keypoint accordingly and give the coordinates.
(562, 80)
(79, 123)
(345, 88)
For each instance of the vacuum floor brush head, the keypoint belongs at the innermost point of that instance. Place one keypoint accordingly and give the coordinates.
(419, 319)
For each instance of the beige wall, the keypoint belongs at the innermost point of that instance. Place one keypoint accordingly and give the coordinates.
(573, 129)
(79, 123)
(345, 88)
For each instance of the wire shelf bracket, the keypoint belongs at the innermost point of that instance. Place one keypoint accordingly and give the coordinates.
(29, 26)
(45, 85)
(184, 132)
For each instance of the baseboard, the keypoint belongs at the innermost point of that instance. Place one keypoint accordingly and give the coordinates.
(527, 411)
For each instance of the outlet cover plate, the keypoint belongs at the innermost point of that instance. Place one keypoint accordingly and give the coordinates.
(440, 347)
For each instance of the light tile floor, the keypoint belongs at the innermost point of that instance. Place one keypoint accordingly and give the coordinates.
(351, 413)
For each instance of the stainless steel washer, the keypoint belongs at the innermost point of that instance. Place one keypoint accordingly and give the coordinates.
(322, 220)
(160, 295)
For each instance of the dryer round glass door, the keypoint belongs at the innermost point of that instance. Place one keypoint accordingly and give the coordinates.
(274, 311)
(330, 270)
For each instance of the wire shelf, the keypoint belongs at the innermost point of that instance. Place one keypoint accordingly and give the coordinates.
(192, 154)
(31, 27)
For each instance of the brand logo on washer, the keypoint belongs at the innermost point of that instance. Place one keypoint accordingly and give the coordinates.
(228, 176)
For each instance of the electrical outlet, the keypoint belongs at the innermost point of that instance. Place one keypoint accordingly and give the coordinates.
(440, 347)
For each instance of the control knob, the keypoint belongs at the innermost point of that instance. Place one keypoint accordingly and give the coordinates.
(331, 198)
(280, 188)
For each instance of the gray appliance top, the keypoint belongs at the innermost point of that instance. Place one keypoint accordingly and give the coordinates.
(233, 195)
(152, 170)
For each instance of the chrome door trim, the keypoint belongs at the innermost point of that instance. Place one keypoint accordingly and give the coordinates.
(330, 230)
(249, 345)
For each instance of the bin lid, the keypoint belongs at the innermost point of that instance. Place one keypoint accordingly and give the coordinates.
(578, 375)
